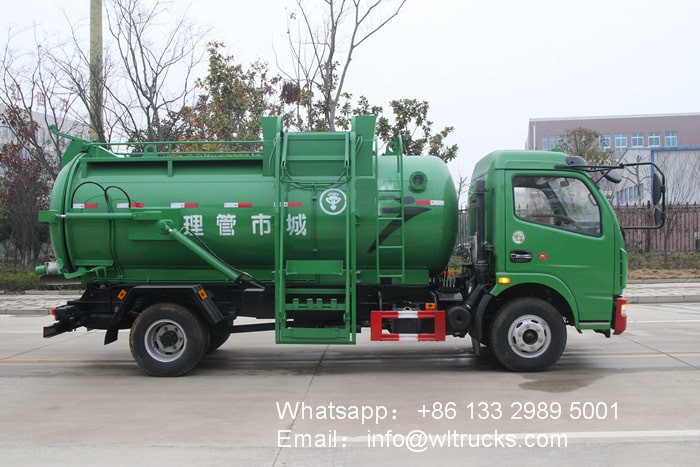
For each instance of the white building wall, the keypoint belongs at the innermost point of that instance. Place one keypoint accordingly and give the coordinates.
(682, 170)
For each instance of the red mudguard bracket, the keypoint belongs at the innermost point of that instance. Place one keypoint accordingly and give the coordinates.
(438, 316)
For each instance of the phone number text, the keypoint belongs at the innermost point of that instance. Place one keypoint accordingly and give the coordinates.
(521, 410)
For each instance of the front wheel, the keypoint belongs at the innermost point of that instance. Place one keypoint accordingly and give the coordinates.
(528, 334)
(168, 340)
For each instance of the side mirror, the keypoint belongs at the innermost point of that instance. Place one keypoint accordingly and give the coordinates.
(657, 188)
(658, 196)
(612, 177)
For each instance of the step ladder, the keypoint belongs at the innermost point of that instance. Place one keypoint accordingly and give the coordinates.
(390, 241)
(315, 299)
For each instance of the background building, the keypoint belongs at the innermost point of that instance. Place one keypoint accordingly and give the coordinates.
(43, 134)
(620, 133)
(671, 141)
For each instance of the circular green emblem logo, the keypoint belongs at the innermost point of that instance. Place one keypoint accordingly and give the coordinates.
(519, 237)
(333, 201)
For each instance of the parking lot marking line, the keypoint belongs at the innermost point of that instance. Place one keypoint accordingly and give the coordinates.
(634, 434)
(584, 435)
(649, 347)
(634, 355)
(665, 321)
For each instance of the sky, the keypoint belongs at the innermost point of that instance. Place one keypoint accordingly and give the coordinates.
(485, 66)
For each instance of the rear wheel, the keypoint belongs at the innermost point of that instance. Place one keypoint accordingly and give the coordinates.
(528, 334)
(168, 340)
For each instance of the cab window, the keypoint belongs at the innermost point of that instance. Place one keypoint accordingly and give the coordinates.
(559, 202)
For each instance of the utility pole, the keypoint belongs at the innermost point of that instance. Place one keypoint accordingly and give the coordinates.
(96, 123)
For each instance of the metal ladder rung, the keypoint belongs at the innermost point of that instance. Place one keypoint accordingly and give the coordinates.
(395, 194)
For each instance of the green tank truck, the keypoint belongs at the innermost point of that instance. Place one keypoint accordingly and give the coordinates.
(319, 236)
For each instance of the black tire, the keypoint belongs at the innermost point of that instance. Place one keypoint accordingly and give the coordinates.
(168, 340)
(218, 334)
(528, 334)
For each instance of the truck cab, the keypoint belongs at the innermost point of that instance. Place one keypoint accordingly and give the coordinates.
(547, 251)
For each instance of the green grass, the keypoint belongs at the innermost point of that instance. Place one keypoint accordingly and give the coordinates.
(660, 261)
(14, 278)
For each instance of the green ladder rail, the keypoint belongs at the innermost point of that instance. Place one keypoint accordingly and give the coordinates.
(328, 308)
(391, 209)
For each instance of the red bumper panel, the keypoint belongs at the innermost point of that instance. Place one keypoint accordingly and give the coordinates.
(378, 334)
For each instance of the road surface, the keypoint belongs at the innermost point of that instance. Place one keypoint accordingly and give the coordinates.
(628, 400)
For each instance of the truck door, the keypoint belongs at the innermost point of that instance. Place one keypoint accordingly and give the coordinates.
(554, 226)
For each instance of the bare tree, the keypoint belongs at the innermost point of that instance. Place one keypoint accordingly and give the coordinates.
(147, 78)
(682, 170)
(461, 186)
(25, 189)
(33, 97)
(635, 176)
(150, 60)
(73, 63)
(146, 85)
(322, 53)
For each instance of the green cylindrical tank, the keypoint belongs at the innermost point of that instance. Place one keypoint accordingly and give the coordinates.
(107, 215)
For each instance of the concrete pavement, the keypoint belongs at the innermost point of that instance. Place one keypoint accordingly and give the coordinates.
(626, 401)
(35, 302)
(663, 291)
(38, 302)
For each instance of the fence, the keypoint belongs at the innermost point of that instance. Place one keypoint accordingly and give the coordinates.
(681, 233)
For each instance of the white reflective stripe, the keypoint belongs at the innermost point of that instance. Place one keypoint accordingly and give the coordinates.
(408, 337)
(437, 202)
(407, 314)
(122, 205)
(177, 205)
(230, 205)
(78, 205)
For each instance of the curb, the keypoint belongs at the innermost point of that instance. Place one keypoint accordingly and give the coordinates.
(663, 281)
(50, 292)
(44, 312)
(666, 299)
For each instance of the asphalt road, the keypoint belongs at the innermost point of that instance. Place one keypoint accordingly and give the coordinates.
(629, 400)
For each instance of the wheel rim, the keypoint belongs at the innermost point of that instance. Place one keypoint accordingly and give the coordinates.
(165, 340)
(529, 336)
